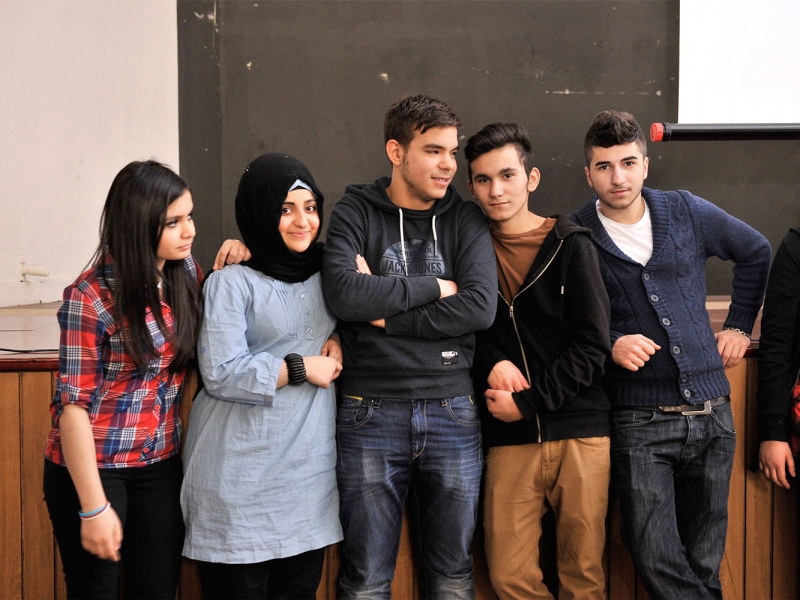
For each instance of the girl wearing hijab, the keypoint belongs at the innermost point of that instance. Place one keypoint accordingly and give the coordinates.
(112, 473)
(259, 496)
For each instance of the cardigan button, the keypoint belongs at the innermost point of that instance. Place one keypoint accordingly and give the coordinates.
(665, 321)
(687, 393)
(684, 378)
(654, 298)
(676, 350)
(646, 276)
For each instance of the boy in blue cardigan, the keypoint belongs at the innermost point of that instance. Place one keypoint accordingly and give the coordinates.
(672, 433)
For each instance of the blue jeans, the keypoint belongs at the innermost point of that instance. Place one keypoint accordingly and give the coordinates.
(386, 448)
(672, 473)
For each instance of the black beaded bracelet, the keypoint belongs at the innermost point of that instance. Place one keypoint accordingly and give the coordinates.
(296, 368)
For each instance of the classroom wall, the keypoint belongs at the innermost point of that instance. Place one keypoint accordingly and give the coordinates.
(87, 87)
(314, 78)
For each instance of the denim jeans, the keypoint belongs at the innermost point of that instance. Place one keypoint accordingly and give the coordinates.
(388, 448)
(147, 502)
(672, 473)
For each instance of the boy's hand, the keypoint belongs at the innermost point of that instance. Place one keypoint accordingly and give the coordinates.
(507, 377)
(502, 406)
(633, 351)
(232, 252)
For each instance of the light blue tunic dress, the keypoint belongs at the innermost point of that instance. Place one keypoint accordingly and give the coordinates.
(260, 478)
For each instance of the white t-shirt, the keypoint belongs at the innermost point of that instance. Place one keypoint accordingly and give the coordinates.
(635, 240)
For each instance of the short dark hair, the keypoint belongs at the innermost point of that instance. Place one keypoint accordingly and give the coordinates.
(498, 135)
(613, 128)
(416, 113)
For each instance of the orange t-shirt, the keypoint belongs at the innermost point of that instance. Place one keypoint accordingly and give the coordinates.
(515, 255)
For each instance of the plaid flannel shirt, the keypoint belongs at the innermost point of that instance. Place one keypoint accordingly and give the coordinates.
(134, 413)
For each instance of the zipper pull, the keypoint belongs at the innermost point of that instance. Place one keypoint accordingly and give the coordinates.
(511, 311)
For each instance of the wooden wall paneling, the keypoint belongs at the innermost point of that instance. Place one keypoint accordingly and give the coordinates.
(189, 587)
(758, 502)
(641, 593)
(784, 542)
(732, 568)
(61, 584)
(10, 510)
(483, 586)
(38, 573)
(621, 572)
(405, 585)
(327, 589)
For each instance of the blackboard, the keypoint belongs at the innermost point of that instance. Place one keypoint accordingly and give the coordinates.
(314, 79)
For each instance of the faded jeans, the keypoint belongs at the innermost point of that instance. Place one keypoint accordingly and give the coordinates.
(672, 473)
(388, 448)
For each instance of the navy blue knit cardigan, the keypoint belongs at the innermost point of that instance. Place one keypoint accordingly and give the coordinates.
(665, 300)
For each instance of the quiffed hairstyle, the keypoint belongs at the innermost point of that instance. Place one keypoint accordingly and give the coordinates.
(416, 113)
(133, 218)
(498, 135)
(613, 128)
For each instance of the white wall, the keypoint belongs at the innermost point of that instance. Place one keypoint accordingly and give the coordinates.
(87, 86)
(739, 61)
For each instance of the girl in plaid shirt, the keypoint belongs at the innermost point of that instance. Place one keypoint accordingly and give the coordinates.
(128, 328)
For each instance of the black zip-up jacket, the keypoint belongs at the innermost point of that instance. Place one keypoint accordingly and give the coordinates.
(779, 347)
(556, 331)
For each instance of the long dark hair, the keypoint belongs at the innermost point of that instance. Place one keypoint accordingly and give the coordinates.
(133, 218)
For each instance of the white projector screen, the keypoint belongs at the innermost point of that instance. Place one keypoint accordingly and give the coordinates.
(739, 61)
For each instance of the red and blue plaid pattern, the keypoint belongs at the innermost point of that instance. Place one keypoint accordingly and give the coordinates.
(134, 413)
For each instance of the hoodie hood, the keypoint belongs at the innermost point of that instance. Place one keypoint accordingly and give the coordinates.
(375, 194)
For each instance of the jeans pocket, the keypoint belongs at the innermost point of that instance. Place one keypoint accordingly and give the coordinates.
(623, 419)
(723, 417)
(353, 412)
(463, 410)
(597, 442)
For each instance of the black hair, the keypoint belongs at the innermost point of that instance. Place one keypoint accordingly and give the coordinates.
(498, 135)
(612, 128)
(416, 113)
(133, 218)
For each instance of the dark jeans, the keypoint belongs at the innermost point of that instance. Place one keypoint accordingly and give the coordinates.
(147, 501)
(386, 449)
(294, 577)
(672, 473)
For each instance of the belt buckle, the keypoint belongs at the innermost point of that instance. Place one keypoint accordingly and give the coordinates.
(706, 410)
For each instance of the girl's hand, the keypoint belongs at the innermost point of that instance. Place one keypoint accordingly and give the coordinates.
(332, 348)
(103, 536)
(321, 370)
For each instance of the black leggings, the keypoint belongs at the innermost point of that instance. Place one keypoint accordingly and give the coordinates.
(294, 577)
(147, 501)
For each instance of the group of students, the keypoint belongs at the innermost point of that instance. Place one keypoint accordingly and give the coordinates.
(564, 351)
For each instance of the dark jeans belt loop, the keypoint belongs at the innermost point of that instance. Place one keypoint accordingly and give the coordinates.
(688, 409)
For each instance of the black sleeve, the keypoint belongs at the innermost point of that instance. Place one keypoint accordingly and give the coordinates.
(777, 364)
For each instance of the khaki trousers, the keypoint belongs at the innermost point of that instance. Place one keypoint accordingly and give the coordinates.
(573, 477)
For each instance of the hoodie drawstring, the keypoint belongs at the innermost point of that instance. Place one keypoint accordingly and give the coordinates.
(435, 239)
(403, 243)
(403, 240)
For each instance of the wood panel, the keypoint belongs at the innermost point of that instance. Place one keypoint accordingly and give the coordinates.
(760, 557)
(784, 542)
(758, 502)
(732, 567)
(10, 509)
(621, 572)
(37, 532)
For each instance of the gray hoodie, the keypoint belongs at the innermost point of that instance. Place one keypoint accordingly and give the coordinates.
(427, 348)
